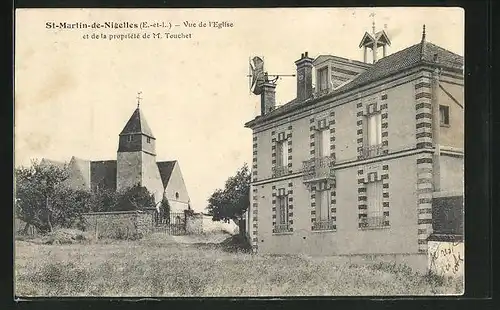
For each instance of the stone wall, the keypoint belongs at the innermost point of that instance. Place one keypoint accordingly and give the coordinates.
(194, 224)
(119, 225)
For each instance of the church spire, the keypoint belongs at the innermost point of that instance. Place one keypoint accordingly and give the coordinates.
(139, 98)
(423, 33)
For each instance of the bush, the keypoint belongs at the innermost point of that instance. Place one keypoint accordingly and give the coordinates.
(67, 236)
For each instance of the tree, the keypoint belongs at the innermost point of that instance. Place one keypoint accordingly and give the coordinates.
(164, 213)
(104, 200)
(44, 201)
(231, 202)
(134, 198)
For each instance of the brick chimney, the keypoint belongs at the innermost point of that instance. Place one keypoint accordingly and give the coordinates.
(267, 98)
(304, 77)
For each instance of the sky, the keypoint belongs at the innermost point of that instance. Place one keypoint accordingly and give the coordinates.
(73, 96)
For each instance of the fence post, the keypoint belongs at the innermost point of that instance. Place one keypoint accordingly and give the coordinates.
(96, 229)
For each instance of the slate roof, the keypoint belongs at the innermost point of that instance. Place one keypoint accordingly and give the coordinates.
(103, 173)
(420, 53)
(166, 168)
(137, 124)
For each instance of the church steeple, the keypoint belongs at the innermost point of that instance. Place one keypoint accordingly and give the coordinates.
(136, 158)
(137, 136)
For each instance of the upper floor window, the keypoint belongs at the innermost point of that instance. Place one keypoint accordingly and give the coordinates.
(444, 115)
(323, 78)
(130, 138)
(282, 151)
(374, 129)
(149, 140)
(373, 132)
(322, 140)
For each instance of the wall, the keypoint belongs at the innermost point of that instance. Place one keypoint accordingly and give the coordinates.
(349, 239)
(151, 178)
(194, 224)
(453, 135)
(176, 185)
(129, 169)
(446, 258)
(452, 173)
(120, 225)
(79, 174)
(345, 132)
(401, 117)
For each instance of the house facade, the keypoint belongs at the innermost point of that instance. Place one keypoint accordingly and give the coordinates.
(352, 165)
(136, 164)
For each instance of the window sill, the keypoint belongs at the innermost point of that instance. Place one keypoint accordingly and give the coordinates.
(324, 231)
(444, 125)
(374, 228)
(283, 233)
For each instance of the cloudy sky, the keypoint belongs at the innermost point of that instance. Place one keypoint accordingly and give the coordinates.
(73, 95)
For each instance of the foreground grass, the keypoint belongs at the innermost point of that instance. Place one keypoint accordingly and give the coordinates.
(154, 268)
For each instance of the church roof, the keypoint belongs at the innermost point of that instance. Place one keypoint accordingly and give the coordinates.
(420, 53)
(103, 173)
(137, 124)
(166, 168)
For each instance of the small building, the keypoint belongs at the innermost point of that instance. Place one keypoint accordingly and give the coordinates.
(136, 164)
(351, 166)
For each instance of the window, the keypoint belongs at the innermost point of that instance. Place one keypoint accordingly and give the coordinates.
(282, 224)
(375, 215)
(374, 129)
(176, 195)
(282, 154)
(323, 143)
(149, 140)
(130, 138)
(283, 210)
(323, 210)
(444, 115)
(323, 78)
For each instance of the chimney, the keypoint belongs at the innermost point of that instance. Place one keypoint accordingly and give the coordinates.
(267, 98)
(304, 76)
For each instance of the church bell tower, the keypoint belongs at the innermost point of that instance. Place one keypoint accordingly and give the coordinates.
(136, 158)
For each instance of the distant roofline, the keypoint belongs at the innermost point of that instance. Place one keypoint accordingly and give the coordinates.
(280, 110)
(348, 60)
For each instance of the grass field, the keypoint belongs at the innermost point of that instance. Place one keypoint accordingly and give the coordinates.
(159, 266)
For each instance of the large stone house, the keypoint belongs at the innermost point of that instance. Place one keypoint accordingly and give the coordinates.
(361, 163)
(135, 164)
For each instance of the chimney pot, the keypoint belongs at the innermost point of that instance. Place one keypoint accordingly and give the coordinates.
(301, 55)
(306, 54)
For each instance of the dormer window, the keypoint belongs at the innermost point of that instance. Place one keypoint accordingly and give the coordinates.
(323, 79)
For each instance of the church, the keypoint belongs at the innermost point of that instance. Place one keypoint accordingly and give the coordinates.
(135, 164)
